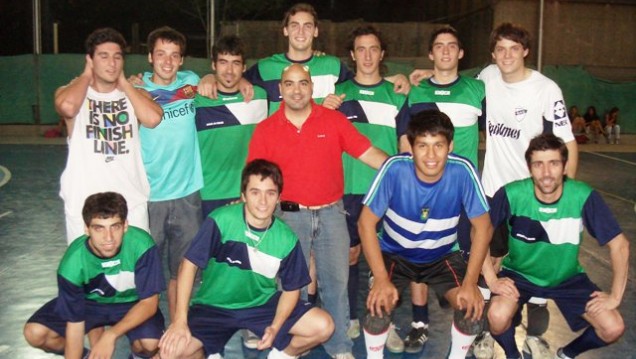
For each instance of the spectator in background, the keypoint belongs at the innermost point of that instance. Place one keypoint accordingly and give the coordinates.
(578, 125)
(612, 129)
(593, 123)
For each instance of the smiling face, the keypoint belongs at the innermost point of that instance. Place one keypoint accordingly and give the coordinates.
(296, 88)
(510, 58)
(301, 30)
(430, 154)
(229, 71)
(105, 235)
(445, 52)
(108, 63)
(261, 197)
(166, 60)
(367, 54)
(547, 170)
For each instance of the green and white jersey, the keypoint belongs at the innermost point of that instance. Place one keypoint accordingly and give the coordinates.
(240, 264)
(378, 113)
(326, 72)
(134, 273)
(224, 128)
(463, 100)
(544, 239)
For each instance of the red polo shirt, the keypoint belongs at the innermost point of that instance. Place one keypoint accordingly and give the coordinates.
(310, 158)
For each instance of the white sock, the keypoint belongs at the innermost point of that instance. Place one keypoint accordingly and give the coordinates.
(460, 343)
(215, 356)
(375, 344)
(279, 354)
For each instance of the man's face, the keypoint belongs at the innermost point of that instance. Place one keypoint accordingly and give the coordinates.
(229, 71)
(547, 170)
(430, 154)
(105, 235)
(166, 60)
(260, 197)
(367, 53)
(301, 30)
(445, 53)
(296, 88)
(108, 62)
(509, 56)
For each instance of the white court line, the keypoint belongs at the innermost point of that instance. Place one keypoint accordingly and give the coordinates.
(616, 197)
(5, 214)
(6, 177)
(613, 158)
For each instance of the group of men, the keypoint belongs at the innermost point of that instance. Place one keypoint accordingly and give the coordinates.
(260, 178)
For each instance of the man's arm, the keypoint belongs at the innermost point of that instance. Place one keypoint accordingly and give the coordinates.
(400, 83)
(177, 337)
(74, 345)
(619, 255)
(207, 87)
(573, 159)
(383, 293)
(286, 305)
(149, 113)
(69, 98)
(373, 157)
(139, 313)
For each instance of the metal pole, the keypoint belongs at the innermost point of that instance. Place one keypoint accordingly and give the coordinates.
(540, 44)
(37, 50)
(56, 43)
(37, 32)
(211, 26)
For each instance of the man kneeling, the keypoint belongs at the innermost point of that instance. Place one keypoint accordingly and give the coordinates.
(109, 277)
(243, 249)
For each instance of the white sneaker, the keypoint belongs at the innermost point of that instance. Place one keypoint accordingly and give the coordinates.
(347, 355)
(484, 346)
(394, 343)
(250, 340)
(536, 348)
(354, 329)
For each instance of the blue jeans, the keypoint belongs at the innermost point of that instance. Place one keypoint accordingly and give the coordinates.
(324, 231)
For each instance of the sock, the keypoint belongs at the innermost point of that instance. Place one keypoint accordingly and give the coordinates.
(588, 340)
(279, 354)
(312, 298)
(420, 313)
(85, 353)
(460, 343)
(352, 289)
(375, 344)
(507, 342)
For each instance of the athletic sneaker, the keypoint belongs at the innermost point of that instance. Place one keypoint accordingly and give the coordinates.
(561, 355)
(250, 340)
(394, 343)
(354, 329)
(484, 346)
(414, 341)
(536, 348)
(347, 355)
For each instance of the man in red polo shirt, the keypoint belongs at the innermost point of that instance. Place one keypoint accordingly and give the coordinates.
(307, 142)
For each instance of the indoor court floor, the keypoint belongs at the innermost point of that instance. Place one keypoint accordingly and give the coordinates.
(32, 241)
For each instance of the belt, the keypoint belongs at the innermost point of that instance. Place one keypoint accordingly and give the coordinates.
(289, 206)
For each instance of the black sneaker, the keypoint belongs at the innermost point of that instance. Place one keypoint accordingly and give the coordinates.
(414, 341)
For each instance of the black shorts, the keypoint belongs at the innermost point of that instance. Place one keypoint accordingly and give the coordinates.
(499, 242)
(353, 206)
(442, 275)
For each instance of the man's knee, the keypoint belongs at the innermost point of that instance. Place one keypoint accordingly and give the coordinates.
(146, 346)
(612, 330)
(375, 325)
(36, 334)
(323, 326)
(498, 320)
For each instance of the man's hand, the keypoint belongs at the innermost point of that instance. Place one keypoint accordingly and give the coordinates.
(175, 339)
(104, 347)
(383, 295)
(401, 84)
(469, 298)
(207, 86)
(601, 302)
(504, 287)
(136, 80)
(268, 338)
(418, 75)
(333, 102)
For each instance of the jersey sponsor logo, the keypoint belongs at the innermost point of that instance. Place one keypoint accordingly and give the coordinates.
(424, 214)
(111, 264)
(559, 110)
(547, 210)
(184, 110)
(520, 113)
(442, 92)
(503, 131)
(233, 261)
(216, 123)
(353, 117)
(367, 92)
(321, 135)
(229, 98)
(109, 159)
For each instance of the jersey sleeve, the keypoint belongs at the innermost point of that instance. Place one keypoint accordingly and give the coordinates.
(149, 278)
(402, 120)
(206, 242)
(293, 272)
(253, 75)
(499, 207)
(379, 195)
(555, 114)
(71, 304)
(473, 196)
(598, 219)
(345, 74)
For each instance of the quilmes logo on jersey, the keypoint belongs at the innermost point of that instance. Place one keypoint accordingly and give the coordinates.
(498, 129)
(424, 214)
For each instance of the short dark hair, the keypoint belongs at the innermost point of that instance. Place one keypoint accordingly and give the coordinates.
(545, 142)
(300, 7)
(104, 205)
(432, 123)
(367, 30)
(167, 34)
(263, 168)
(228, 44)
(444, 30)
(512, 32)
(101, 36)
